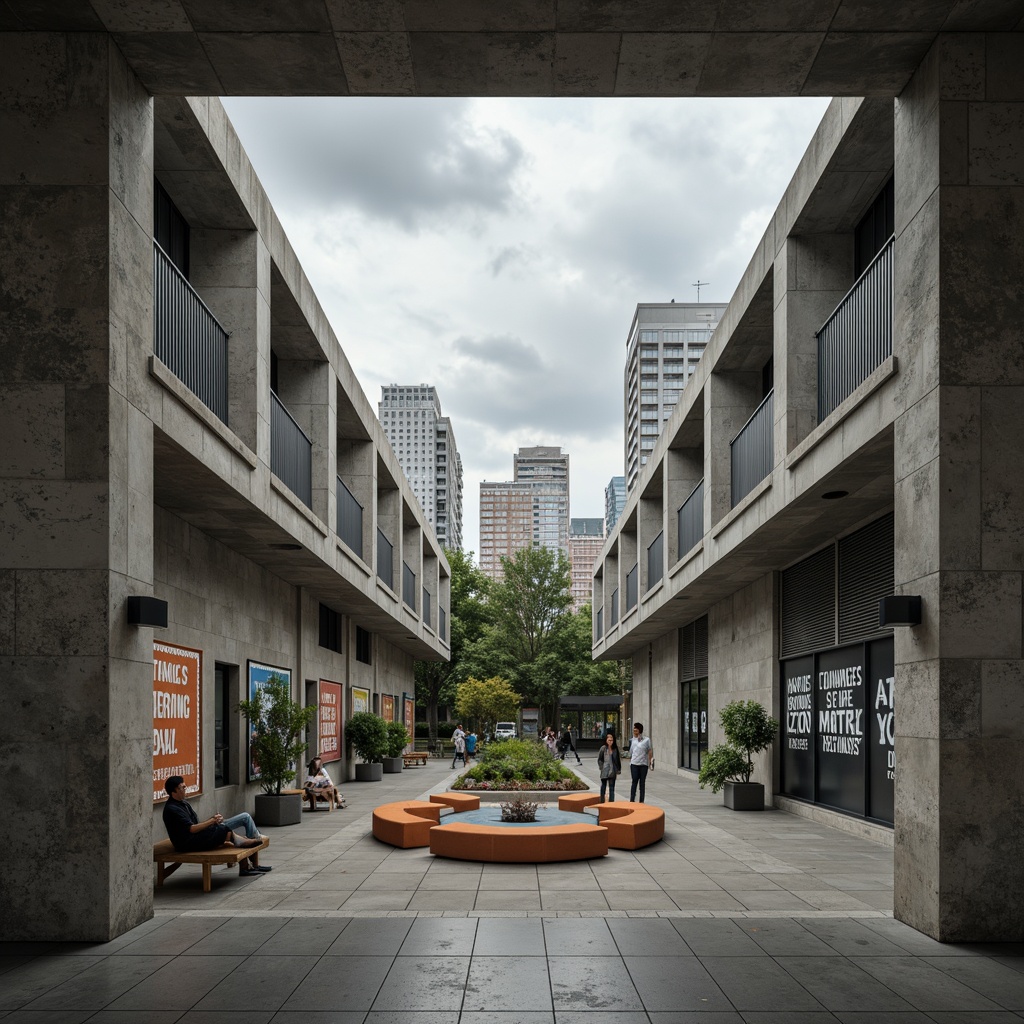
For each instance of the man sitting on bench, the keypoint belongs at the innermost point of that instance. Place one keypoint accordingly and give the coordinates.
(190, 835)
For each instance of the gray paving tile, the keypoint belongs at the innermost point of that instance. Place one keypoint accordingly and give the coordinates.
(851, 938)
(47, 1016)
(371, 937)
(423, 983)
(505, 900)
(303, 935)
(135, 1017)
(758, 983)
(700, 1017)
(377, 902)
(318, 1017)
(601, 1017)
(1003, 985)
(179, 985)
(675, 983)
(568, 936)
(709, 937)
(497, 936)
(175, 937)
(923, 986)
(647, 937)
(100, 984)
(843, 985)
(260, 983)
(975, 1017)
(341, 983)
(883, 1017)
(226, 1016)
(39, 976)
(440, 937)
(415, 1017)
(496, 982)
(775, 1017)
(591, 983)
(8, 963)
(704, 900)
(781, 937)
(238, 937)
(910, 940)
(443, 901)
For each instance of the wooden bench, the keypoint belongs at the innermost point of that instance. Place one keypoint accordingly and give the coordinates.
(538, 844)
(168, 859)
(415, 759)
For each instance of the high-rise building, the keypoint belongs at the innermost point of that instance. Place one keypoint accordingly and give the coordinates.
(531, 510)
(614, 502)
(424, 442)
(664, 345)
(586, 539)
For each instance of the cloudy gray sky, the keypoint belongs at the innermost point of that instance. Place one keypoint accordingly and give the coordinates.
(497, 248)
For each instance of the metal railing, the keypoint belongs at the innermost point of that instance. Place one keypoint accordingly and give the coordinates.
(753, 450)
(442, 623)
(631, 581)
(691, 520)
(655, 560)
(385, 560)
(187, 338)
(615, 607)
(408, 586)
(291, 451)
(350, 519)
(857, 337)
(599, 624)
(426, 606)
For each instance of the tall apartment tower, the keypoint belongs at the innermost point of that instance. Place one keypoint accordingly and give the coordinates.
(586, 539)
(614, 502)
(664, 345)
(424, 442)
(531, 510)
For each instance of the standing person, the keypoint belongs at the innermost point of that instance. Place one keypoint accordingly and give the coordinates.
(609, 762)
(551, 741)
(470, 747)
(459, 739)
(567, 744)
(641, 759)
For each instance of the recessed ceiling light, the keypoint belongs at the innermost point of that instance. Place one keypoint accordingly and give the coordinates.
(286, 547)
(833, 495)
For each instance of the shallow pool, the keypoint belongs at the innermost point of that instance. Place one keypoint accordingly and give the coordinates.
(492, 816)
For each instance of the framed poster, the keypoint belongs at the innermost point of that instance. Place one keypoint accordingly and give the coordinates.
(359, 700)
(259, 677)
(387, 707)
(410, 718)
(328, 715)
(177, 718)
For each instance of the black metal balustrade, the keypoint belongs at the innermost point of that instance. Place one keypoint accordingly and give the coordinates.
(857, 337)
(385, 560)
(655, 560)
(691, 520)
(408, 586)
(187, 338)
(615, 607)
(350, 519)
(631, 581)
(291, 451)
(753, 450)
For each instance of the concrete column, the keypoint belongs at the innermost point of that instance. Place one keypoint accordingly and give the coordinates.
(730, 397)
(76, 495)
(959, 490)
(812, 274)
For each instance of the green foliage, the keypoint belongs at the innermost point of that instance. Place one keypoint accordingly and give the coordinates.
(397, 738)
(367, 734)
(487, 701)
(748, 730)
(519, 810)
(518, 764)
(275, 723)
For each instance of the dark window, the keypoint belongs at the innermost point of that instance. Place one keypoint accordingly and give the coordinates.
(170, 229)
(273, 371)
(875, 228)
(364, 646)
(222, 725)
(767, 377)
(866, 575)
(693, 650)
(330, 629)
(695, 723)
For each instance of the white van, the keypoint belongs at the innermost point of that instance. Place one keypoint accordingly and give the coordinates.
(505, 730)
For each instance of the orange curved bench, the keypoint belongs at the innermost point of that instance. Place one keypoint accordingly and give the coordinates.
(577, 801)
(405, 823)
(460, 801)
(631, 825)
(537, 844)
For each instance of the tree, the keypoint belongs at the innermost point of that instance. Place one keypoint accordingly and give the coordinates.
(487, 701)
(468, 615)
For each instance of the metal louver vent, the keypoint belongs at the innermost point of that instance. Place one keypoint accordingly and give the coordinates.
(693, 650)
(809, 605)
(865, 576)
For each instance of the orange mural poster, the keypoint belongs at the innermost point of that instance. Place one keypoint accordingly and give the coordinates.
(387, 707)
(177, 718)
(329, 718)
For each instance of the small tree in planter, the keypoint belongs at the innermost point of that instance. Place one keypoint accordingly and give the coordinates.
(749, 730)
(397, 740)
(368, 736)
(276, 725)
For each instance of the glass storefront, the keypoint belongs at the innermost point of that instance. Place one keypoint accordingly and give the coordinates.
(694, 706)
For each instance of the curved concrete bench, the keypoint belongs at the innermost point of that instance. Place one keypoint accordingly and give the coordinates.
(535, 844)
(405, 823)
(460, 801)
(630, 825)
(577, 801)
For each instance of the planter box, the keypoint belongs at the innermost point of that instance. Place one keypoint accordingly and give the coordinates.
(276, 811)
(744, 796)
(372, 771)
(393, 765)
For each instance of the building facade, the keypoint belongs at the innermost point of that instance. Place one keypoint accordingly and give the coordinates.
(532, 510)
(614, 502)
(663, 347)
(424, 442)
(586, 539)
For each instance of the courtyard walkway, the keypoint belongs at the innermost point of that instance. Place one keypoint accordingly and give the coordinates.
(756, 918)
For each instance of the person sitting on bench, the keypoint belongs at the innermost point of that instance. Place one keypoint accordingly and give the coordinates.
(320, 783)
(190, 835)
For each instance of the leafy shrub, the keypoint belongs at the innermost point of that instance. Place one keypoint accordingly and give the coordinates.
(519, 810)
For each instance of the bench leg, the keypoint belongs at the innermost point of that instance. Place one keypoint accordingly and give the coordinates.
(207, 881)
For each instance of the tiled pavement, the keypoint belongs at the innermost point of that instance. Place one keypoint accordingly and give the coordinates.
(734, 918)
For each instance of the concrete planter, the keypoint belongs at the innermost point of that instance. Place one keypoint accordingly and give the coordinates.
(369, 771)
(744, 796)
(393, 765)
(275, 811)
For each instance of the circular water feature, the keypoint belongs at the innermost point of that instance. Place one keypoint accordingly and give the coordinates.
(491, 815)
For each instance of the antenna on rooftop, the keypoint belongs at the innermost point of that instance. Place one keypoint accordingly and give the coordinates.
(698, 284)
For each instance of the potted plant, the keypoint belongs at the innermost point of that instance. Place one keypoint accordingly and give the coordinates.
(748, 730)
(276, 725)
(367, 734)
(397, 741)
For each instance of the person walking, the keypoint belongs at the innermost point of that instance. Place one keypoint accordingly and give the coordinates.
(641, 759)
(470, 747)
(551, 741)
(567, 744)
(609, 764)
(459, 739)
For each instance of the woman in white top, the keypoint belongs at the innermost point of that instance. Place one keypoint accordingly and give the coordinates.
(321, 783)
(641, 759)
